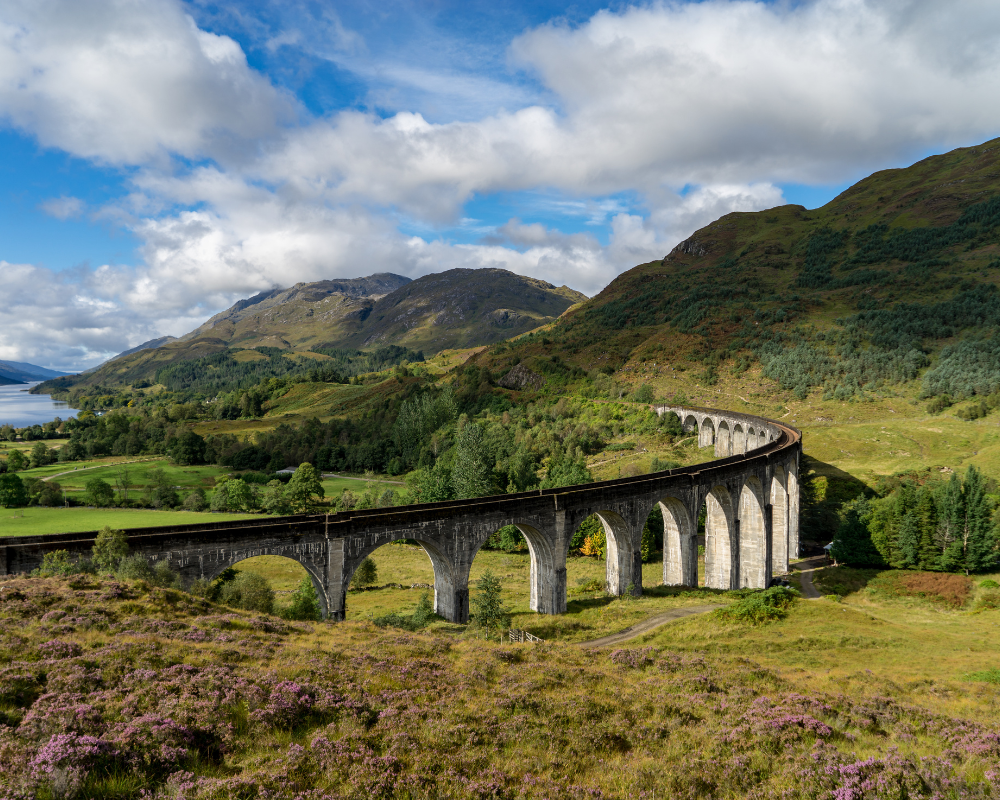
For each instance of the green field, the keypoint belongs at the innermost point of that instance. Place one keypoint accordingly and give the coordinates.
(37, 521)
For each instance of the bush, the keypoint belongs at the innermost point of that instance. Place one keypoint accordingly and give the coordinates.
(55, 564)
(110, 547)
(305, 603)
(12, 491)
(164, 575)
(989, 583)
(419, 619)
(488, 609)
(248, 591)
(366, 574)
(195, 501)
(759, 607)
(134, 568)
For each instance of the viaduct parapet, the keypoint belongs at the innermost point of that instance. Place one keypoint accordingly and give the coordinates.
(749, 492)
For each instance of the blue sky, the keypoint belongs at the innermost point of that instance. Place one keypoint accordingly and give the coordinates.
(162, 159)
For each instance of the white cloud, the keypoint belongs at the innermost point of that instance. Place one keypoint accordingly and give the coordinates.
(694, 109)
(64, 207)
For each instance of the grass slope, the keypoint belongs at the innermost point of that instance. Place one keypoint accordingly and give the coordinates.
(184, 698)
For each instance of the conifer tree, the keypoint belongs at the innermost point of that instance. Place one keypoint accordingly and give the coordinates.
(905, 554)
(472, 471)
(980, 537)
(951, 524)
(928, 556)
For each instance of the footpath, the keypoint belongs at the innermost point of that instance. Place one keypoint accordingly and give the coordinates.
(647, 625)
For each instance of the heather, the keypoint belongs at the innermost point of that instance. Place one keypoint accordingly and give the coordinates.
(122, 689)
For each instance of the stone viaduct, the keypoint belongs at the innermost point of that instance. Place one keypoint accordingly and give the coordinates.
(749, 494)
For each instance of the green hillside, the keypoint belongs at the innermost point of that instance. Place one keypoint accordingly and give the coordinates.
(890, 285)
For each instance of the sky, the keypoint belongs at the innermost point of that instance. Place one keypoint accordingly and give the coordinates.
(161, 159)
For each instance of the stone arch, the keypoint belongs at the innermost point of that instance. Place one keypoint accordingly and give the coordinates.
(544, 574)
(720, 527)
(762, 438)
(706, 432)
(680, 544)
(779, 522)
(314, 576)
(624, 559)
(451, 589)
(754, 572)
(689, 423)
(739, 440)
(723, 440)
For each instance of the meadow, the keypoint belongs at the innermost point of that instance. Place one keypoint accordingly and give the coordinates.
(118, 689)
(36, 520)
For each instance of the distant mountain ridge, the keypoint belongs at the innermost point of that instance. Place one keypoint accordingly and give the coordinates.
(457, 308)
(21, 372)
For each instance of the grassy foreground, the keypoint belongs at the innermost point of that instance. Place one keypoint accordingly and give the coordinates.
(118, 690)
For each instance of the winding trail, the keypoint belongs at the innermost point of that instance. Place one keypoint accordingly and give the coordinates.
(805, 569)
(648, 624)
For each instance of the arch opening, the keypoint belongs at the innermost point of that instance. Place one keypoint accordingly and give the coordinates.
(779, 523)
(720, 528)
(753, 560)
(283, 574)
(680, 544)
(690, 424)
(739, 440)
(604, 534)
(706, 433)
(723, 441)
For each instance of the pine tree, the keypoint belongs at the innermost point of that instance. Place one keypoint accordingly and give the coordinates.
(951, 523)
(980, 538)
(905, 555)
(928, 556)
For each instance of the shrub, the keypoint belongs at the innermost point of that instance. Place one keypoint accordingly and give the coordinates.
(366, 574)
(248, 591)
(110, 547)
(55, 563)
(305, 602)
(195, 500)
(488, 609)
(989, 583)
(165, 575)
(988, 600)
(760, 607)
(134, 568)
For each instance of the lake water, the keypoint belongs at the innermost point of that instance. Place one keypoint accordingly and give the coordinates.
(20, 409)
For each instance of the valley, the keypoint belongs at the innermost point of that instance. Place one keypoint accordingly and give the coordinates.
(870, 325)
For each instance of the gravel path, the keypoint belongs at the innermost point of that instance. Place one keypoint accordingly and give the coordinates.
(647, 625)
(806, 569)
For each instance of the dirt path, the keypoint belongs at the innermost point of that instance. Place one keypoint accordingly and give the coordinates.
(366, 480)
(647, 625)
(805, 569)
(102, 466)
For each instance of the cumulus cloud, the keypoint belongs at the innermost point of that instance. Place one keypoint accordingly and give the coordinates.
(694, 109)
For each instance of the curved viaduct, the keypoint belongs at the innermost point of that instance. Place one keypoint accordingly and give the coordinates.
(750, 494)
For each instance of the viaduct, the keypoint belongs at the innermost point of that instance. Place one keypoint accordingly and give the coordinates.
(749, 493)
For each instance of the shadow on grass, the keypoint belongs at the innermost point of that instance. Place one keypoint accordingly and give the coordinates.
(843, 581)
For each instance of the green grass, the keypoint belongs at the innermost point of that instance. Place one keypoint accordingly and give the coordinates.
(37, 521)
(74, 480)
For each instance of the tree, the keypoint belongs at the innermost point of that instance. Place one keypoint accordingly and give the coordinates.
(431, 485)
(951, 525)
(110, 547)
(187, 449)
(275, 500)
(195, 500)
(366, 574)
(249, 591)
(488, 609)
(472, 471)
(98, 493)
(305, 602)
(220, 497)
(239, 496)
(12, 491)
(980, 539)
(305, 484)
(16, 461)
(905, 554)
(566, 471)
(40, 455)
(853, 543)
(123, 481)
(161, 492)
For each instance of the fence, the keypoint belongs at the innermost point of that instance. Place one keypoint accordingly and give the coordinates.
(522, 636)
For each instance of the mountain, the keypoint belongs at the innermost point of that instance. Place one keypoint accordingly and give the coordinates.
(305, 314)
(20, 372)
(892, 283)
(457, 308)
